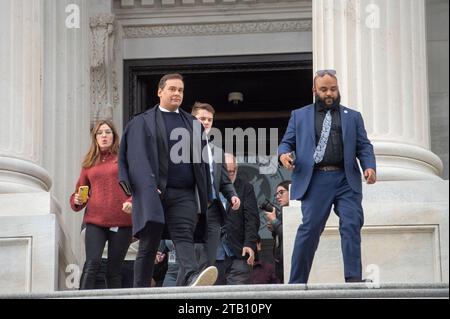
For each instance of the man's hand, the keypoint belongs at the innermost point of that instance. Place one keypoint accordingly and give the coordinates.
(370, 176)
(287, 161)
(235, 203)
(126, 207)
(251, 253)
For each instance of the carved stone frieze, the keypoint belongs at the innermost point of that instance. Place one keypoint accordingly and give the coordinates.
(132, 4)
(149, 31)
(103, 82)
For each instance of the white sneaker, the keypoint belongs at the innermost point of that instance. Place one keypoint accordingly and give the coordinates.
(207, 277)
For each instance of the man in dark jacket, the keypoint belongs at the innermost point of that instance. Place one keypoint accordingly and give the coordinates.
(220, 182)
(167, 187)
(236, 252)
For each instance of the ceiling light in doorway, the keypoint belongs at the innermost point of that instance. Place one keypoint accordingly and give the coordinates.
(235, 97)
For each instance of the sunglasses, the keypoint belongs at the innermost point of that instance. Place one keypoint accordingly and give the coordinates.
(322, 73)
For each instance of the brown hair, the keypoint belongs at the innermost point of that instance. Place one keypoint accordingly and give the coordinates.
(171, 76)
(93, 155)
(284, 184)
(202, 106)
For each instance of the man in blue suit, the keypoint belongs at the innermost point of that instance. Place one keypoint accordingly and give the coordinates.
(326, 139)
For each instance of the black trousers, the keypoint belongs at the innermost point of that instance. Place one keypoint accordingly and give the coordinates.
(206, 253)
(233, 271)
(149, 239)
(118, 243)
(180, 209)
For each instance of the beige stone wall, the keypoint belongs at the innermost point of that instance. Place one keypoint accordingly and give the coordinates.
(404, 238)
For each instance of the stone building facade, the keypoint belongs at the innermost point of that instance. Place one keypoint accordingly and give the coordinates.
(65, 63)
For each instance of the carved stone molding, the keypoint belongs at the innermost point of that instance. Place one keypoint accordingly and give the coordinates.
(151, 31)
(132, 4)
(104, 93)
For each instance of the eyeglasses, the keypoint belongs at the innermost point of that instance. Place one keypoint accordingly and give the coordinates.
(280, 192)
(107, 132)
(322, 73)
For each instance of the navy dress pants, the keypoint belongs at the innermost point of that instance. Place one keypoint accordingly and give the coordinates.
(327, 189)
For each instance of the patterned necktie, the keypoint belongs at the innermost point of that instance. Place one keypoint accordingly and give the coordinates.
(322, 145)
(211, 171)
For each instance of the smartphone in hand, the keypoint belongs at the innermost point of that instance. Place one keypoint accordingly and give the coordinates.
(83, 192)
(293, 156)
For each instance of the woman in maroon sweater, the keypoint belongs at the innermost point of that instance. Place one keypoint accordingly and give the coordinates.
(107, 215)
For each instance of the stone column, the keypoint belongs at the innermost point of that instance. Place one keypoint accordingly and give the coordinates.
(28, 230)
(21, 98)
(379, 51)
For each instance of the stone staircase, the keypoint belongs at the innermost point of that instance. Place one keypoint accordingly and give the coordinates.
(354, 290)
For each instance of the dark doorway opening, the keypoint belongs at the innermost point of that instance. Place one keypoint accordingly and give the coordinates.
(271, 85)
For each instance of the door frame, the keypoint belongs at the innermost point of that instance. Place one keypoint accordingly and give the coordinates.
(134, 69)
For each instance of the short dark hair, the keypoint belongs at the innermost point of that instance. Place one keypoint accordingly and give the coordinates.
(171, 76)
(202, 106)
(285, 184)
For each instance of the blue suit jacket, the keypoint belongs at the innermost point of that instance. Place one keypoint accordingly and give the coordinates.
(300, 137)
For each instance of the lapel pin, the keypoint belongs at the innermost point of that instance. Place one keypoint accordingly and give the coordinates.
(345, 111)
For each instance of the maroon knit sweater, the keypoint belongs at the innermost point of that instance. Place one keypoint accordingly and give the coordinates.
(104, 206)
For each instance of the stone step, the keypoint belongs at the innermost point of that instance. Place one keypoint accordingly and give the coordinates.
(353, 290)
